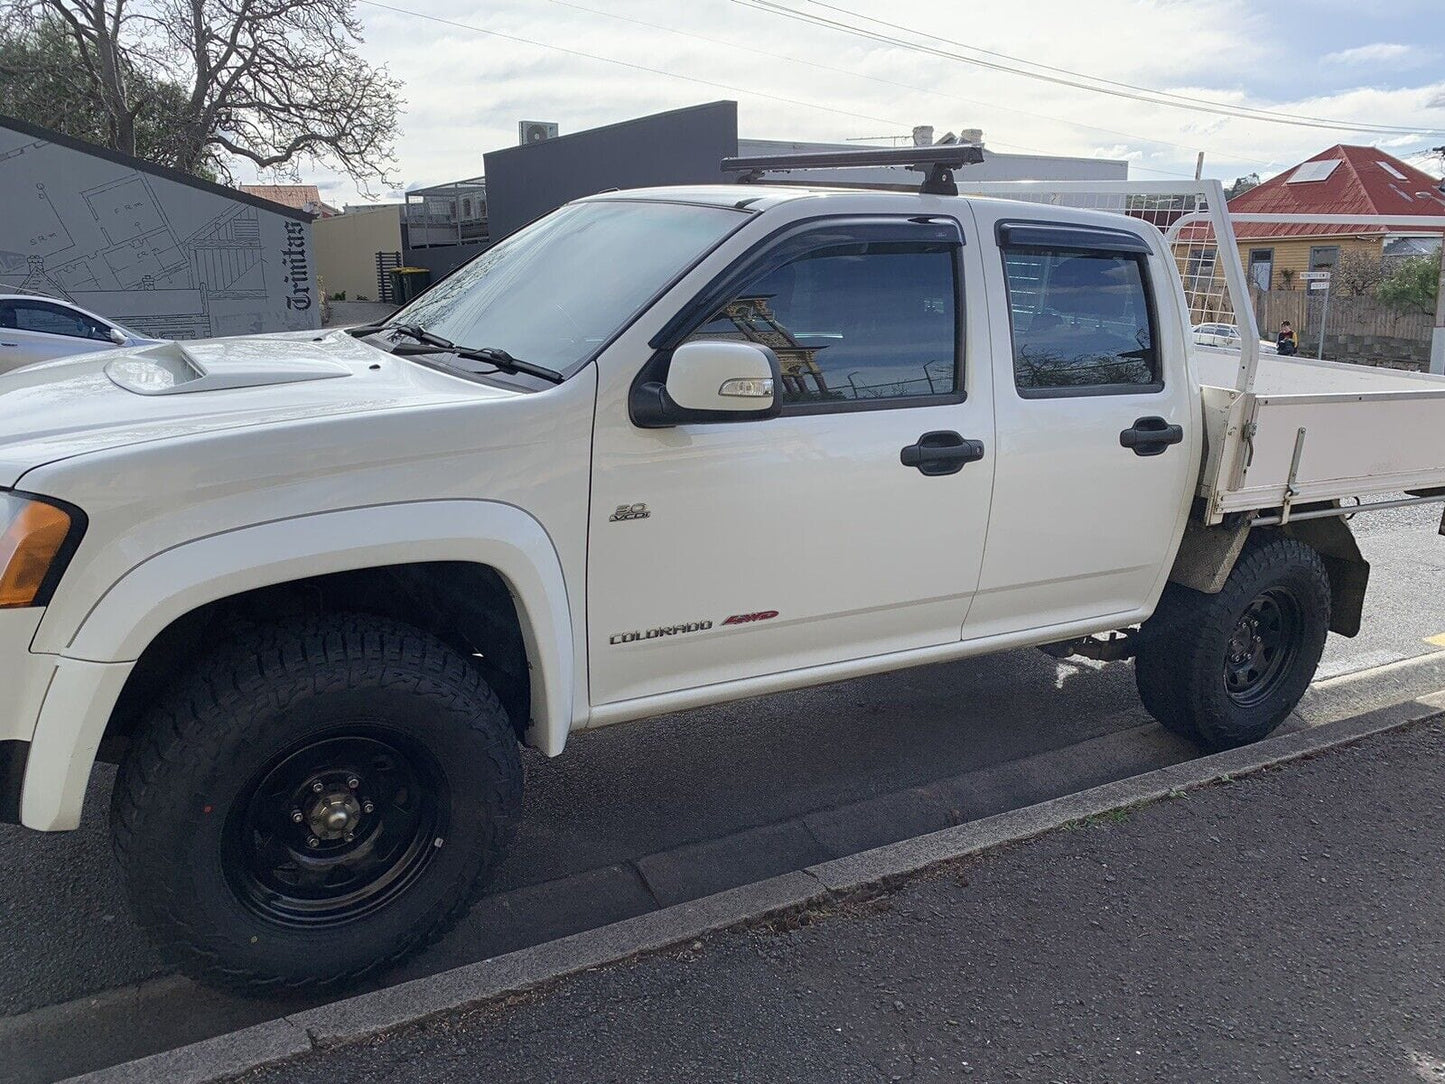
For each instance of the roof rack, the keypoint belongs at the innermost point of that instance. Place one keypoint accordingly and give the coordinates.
(937, 162)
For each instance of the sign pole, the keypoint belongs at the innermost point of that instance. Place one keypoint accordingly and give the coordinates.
(1437, 336)
(1317, 280)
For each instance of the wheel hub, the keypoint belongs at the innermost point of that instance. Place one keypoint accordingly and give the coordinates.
(335, 815)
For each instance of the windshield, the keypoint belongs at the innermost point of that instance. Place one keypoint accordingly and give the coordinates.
(557, 290)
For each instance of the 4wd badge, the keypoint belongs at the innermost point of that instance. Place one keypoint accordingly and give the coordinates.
(747, 619)
(629, 511)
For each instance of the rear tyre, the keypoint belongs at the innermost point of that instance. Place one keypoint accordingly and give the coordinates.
(315, 803)
(1225, 670)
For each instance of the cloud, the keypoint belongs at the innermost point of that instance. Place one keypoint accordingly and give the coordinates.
(466, 89)
(1380, 52)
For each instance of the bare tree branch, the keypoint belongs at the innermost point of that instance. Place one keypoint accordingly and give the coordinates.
(271, 82)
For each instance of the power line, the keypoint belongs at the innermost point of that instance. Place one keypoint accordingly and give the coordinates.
(708, 82)
(1191, 99)
(920, 90)
(1071, 79)
(626, 63)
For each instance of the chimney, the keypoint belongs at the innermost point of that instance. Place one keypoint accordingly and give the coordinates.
(971, 135)
(923, 135)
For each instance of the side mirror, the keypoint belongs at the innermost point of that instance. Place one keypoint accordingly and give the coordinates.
(711, 381)
(117, 336)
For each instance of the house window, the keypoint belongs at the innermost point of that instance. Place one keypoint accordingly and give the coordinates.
(1324, 257)
(1202, 261)
(1261, 267)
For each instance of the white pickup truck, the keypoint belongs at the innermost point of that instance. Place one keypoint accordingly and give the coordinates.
(659, 449)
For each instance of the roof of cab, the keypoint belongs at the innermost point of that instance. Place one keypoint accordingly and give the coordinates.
(761, 197)
(751, 196)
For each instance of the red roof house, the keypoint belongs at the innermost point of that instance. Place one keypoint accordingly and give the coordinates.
(1342, 180)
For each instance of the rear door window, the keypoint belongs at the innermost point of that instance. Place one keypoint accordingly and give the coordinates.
(1082, 321)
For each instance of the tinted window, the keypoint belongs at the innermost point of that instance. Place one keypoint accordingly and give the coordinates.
(54, 320)
(1080, 320)
(859, 322)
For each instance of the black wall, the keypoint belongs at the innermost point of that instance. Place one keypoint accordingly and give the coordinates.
(440, 259)
(683, 146)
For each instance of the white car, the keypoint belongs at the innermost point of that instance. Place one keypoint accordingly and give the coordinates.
(659, 449)
(1226, 336)
(34, 329)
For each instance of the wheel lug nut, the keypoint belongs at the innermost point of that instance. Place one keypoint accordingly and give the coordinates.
(296, 817)
(350, 836)
(353, 782)
(317, 787)
(367, 807)
(312, 841)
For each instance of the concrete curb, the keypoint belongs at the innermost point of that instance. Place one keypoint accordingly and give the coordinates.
(370, 1014)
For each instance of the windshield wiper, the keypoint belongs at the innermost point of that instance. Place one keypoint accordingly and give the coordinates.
(492, 355)
(414, 331)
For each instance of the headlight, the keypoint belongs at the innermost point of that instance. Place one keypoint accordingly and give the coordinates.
(37, 537)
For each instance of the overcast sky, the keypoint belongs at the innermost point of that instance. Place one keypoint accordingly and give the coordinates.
(1367, 62)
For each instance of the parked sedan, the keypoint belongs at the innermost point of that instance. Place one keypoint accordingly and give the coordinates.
(41, 328)
(1227, 336)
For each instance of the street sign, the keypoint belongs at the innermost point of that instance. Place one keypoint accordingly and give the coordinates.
(1314, 276)
(1319, 286)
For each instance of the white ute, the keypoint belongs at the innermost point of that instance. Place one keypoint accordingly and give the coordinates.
(661, 448)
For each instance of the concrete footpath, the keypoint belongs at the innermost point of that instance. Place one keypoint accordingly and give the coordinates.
(1285, 926)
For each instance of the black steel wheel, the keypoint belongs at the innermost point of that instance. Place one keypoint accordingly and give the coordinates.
(1262, 646)
(1226, 669)
(337, 828)
(316, 802)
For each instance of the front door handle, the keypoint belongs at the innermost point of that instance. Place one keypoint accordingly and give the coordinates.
(941, 452)
(1150, 436)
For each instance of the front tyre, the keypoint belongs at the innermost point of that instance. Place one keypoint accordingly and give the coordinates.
(315, 803)
(1226, 669)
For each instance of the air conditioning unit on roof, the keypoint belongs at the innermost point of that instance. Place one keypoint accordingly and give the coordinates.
(535, 131)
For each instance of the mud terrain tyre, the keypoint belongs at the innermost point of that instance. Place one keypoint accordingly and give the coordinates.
(314, 803)
(1225, 670)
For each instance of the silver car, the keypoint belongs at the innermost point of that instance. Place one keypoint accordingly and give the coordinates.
(36, 329)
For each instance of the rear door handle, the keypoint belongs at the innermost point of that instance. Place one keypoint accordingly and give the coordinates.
(941, 452)
(1150, 436)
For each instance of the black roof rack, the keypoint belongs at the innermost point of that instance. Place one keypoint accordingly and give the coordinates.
(937, 162)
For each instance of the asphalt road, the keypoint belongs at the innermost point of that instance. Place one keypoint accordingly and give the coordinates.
(648, 787)
(1284, 927)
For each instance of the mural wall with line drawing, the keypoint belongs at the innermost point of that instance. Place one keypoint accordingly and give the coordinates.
(164, 256)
